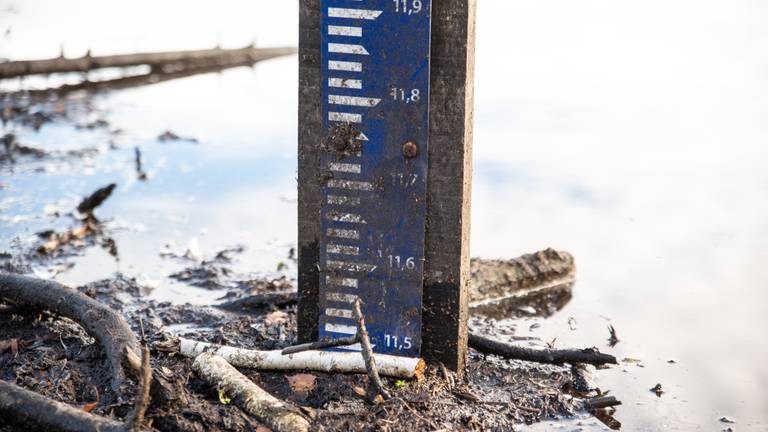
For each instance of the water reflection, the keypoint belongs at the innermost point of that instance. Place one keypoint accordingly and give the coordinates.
(632, 136)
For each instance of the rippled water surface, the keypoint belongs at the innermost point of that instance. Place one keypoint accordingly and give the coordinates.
(632, 135)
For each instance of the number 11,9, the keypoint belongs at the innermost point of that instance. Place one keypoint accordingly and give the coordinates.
(409, 7)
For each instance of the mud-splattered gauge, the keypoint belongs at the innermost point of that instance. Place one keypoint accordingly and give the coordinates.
(375, 102)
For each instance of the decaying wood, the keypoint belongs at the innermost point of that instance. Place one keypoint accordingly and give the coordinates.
(321, 361)
(218, 373)
(493, 280)
(101, 322)
(551, 356)
(322, 344)
(206, 57)
(31, 409)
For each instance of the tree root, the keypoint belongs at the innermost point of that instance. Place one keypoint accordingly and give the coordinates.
(250, 397)
(28, 408)
(551, 356)
(107, 326)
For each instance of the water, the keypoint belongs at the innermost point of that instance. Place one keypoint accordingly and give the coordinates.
(632, 135)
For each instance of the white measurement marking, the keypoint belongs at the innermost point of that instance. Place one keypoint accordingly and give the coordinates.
(334, 30)
(342, 249)
(353, 13)
(343, 200)
(338, 328)
(341, 297)
(349, 184)
(350, 266)
(340, 313)
(345, 83)
(353, 101)
(345, 117)
(345, 217)
(343, 233)
(340, 281)
(345, 66)
(344, 167)
(347, 49)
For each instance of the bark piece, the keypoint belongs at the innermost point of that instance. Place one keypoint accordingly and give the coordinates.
(217, 372)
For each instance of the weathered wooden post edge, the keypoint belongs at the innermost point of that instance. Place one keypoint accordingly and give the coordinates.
(446, 270)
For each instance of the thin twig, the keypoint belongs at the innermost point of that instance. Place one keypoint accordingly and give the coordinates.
(365, 344)
(329, 343)
(551, 356)
(142, 398)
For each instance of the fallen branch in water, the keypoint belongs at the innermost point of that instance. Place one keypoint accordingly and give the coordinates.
(551, 356)
(321, 361)
(218, 373)
(101, 322)
(29, 408)
(198, 58)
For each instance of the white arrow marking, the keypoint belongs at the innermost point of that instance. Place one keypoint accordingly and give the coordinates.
(353, 13)
(353, 101)
(347, 49)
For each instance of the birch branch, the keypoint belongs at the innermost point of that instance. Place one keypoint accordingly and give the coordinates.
(320, 361)
(251, 398)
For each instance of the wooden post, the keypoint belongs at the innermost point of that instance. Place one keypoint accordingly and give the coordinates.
(445, 301)
(446, 275)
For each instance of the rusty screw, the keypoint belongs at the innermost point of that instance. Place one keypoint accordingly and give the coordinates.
(410, 150)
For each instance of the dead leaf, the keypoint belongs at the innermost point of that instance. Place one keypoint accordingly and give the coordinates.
(276, 317)
(90, 406)
(302, 384)
(11, 344)
(359, 391)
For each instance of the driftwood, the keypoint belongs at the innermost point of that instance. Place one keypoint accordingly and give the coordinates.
(196, 58)
(250, 397)
(321, 361)
(551, 356)
(29, 408)
(493, 280)
(101, 322)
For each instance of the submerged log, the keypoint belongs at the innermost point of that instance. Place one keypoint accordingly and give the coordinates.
(254, 400)
(206, 57)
